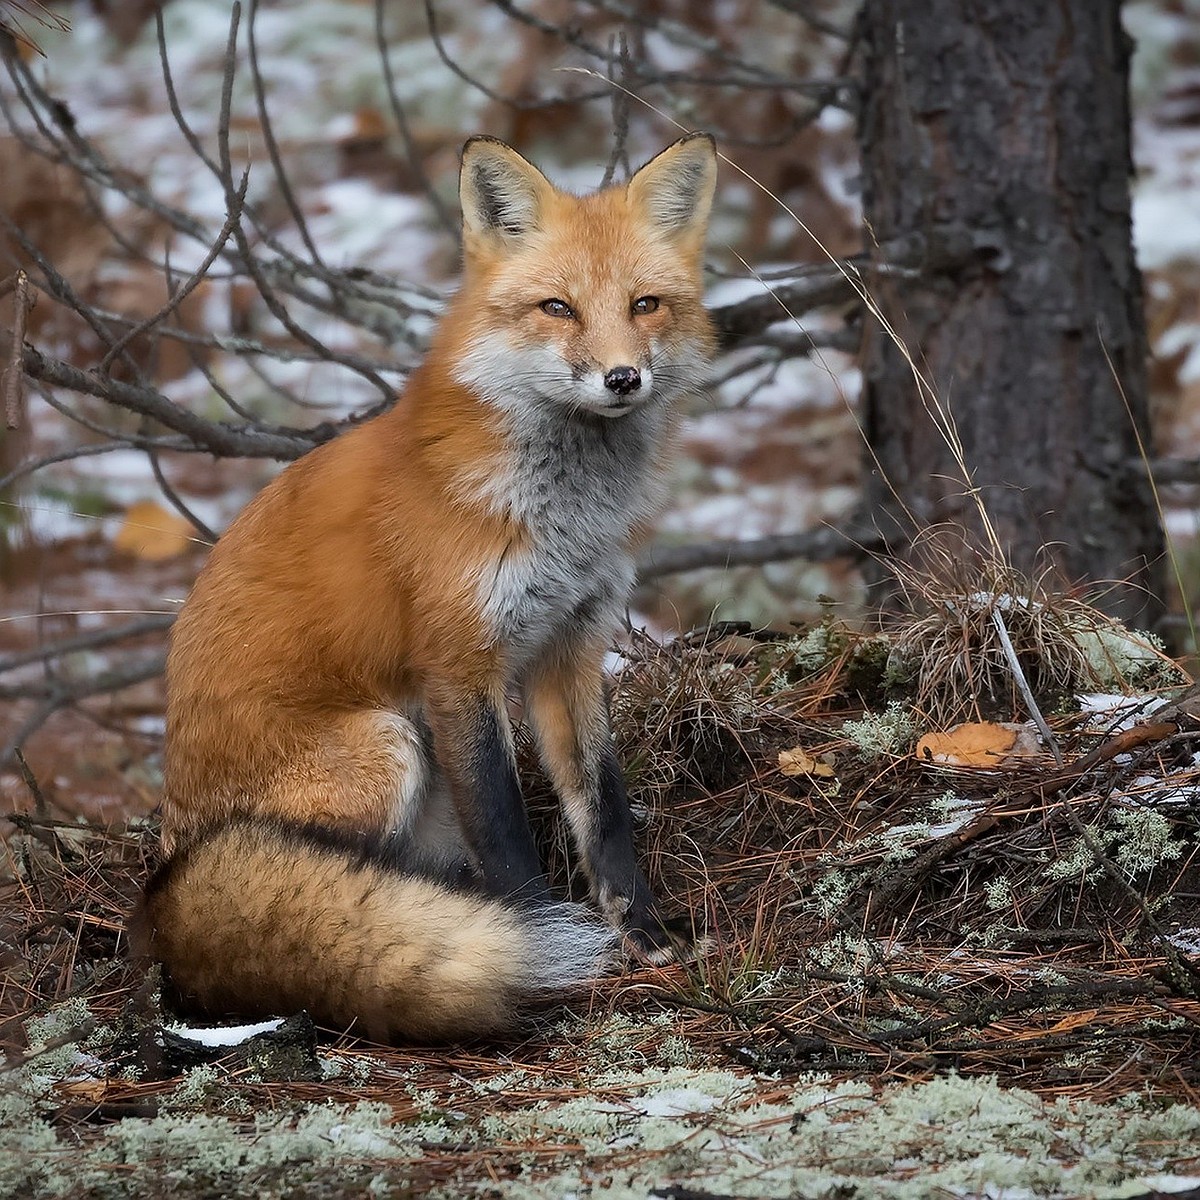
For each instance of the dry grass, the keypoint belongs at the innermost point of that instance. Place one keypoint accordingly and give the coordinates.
(960, 602)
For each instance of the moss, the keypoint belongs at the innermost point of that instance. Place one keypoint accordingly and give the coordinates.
(870, 671)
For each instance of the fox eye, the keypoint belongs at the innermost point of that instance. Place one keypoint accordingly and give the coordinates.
(643, 305)
(556, 308)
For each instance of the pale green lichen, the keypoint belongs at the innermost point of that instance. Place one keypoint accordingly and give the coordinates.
(1120, 658)
(70, 1023)
(650, 1130)
(1137, 840)
(847, 954)
(352, 1069)
(812, 651)
(891, 732)
(950, 1136)
(1142, 840)
(70, 1018)
(832, 891)
(197, 1089)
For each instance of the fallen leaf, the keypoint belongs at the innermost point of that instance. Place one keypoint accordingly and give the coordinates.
(978, 744)
(797, 761)
(152, 532)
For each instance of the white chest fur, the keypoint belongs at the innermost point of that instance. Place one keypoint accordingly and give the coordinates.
(577, 486)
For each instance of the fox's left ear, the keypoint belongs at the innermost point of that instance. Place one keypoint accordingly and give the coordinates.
(675, 188)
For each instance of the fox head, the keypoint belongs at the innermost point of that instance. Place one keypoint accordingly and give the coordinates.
(590, 303)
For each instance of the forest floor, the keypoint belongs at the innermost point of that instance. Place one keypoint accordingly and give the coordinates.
(927, 969)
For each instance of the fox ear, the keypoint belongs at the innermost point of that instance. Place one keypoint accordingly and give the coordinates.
(501, 193)
(675, 188)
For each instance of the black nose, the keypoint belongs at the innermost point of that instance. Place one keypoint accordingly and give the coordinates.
(623, 380)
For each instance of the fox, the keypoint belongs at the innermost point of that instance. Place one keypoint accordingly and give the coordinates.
(342, 824)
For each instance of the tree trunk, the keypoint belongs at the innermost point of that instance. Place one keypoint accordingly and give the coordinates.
(1004, 124)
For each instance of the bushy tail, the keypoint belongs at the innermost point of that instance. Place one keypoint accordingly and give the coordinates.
(258, 918)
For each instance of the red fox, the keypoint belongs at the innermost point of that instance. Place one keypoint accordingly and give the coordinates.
(341, 807)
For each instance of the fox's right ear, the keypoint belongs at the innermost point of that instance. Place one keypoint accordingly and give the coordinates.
(502, 194)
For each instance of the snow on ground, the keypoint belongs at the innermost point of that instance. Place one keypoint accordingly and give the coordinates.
(225, 1035)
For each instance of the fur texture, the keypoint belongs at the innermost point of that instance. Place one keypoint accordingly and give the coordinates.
(346, 656)
(374, 947)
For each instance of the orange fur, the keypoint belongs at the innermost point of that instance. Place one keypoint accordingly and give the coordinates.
(392, 586)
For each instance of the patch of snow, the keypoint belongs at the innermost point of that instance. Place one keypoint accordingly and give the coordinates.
(1169, 1183)
(224, 1035)
(675, 1102)
(614, 663)
(1166, 224)
(1119, 712)
(1187, 940)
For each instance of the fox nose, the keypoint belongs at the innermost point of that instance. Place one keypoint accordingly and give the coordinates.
(623, 380)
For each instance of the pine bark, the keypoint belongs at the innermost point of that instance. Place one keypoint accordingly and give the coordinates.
(1004, 125)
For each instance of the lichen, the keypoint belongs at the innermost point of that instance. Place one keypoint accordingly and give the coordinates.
(890, 732)
(1136, 839)
(1125, 659)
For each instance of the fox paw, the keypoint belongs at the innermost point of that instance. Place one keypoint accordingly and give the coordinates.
(657, 942)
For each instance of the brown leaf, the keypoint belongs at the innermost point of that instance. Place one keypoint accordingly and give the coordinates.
(152, 532)
(797, 761)
(978, 744)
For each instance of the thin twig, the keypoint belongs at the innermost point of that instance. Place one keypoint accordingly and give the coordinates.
(189, 285)
(176, 501)
(87, 641)
(40, 807)
(619, 68)
(14, 392)
(446, 217)
(1031, 705)
(268, 132)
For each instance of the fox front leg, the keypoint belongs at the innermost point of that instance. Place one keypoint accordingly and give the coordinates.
(569, 712)
(473, 743)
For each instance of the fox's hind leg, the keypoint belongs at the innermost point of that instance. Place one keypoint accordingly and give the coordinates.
(374, 772)
(365, 771)
(360, 771)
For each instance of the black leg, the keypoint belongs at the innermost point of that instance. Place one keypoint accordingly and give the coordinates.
(474, 745)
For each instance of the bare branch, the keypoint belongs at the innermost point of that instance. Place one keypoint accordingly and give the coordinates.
(620, 69)
(14, 393)
(53, 695)
(744, 319)
(514, 102)
(264, 121)
(211, 437)
(87, 641)
(447, 219)
(175, 500)
(1170, 470)
(60, 456)
(816, 545)
(189, 285)
(804, 10)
